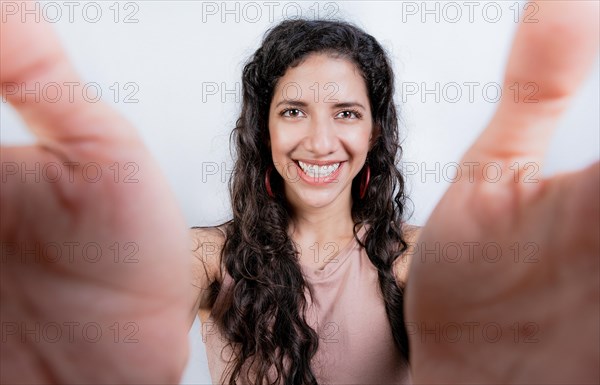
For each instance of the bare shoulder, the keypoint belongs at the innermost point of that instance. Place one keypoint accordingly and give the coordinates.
(411, 232)
(207, 244)
(402, 264)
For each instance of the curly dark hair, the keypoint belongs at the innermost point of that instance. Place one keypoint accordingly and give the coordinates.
(263, 313)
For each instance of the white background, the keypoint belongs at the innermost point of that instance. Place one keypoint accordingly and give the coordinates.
(172, 51)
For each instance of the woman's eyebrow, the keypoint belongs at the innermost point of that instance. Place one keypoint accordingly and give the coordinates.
(293, 103)
(300, 103)
(348, 105)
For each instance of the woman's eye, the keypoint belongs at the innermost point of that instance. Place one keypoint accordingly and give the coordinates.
(292, 113)
(349, 115)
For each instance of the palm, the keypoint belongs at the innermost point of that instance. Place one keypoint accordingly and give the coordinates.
(107, 275)
(504, 284)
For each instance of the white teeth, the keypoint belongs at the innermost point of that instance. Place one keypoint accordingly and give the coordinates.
(315, 171)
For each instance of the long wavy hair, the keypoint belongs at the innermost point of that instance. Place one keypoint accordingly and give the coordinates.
(262, 314)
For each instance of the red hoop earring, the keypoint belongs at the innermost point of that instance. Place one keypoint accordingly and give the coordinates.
(365, 181)
(268, 182)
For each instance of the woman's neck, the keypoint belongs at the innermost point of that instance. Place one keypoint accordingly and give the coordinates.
(331, 223)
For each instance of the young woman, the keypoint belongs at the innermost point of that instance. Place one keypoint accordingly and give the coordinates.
(289, 317)
(317, 217)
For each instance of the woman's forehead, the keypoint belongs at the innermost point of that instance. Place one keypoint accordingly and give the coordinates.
(321, 77)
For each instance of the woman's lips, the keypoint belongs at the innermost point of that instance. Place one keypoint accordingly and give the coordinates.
(318, 180)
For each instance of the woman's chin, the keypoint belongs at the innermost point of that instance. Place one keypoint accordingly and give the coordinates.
(315, 198)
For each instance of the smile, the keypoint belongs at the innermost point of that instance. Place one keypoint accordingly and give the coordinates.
(316, 171)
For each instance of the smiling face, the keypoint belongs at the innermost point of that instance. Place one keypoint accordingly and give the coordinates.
(320, 127)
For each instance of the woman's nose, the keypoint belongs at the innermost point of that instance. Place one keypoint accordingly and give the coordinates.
(322, 139)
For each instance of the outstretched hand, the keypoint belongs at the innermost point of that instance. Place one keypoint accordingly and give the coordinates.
(504, 282)
(94, 268)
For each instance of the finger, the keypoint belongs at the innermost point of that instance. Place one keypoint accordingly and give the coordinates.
(550, 57)
(32, 59)
(580, 212)
(23, 186)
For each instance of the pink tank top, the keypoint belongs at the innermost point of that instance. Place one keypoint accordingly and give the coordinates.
(356, 345)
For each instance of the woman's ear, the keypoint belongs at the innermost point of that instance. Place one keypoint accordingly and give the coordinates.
(267, 140)
(374, 136)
